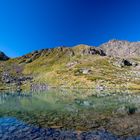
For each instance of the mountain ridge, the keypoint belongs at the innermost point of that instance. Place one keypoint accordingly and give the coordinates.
(81, 66)
(114, 48)
(113, 44)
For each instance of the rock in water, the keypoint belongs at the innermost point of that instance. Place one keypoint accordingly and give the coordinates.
(3, 56)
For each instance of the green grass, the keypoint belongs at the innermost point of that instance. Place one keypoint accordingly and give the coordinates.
(52, 69)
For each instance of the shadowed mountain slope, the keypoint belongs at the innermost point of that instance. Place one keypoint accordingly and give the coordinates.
(3, 56)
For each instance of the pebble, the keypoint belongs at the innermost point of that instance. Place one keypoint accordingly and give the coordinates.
(14, 129)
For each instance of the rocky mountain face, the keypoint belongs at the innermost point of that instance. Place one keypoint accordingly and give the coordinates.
(3, 56)
(113, 64)
(77, 50)
(114, 48)
(117, 48)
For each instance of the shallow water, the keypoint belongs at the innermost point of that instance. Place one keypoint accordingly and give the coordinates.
(71, 112)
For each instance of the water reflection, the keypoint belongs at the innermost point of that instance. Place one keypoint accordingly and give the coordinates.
(14, 129)
(81, 110)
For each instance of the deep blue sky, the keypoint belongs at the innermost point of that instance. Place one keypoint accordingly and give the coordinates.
(27, 25)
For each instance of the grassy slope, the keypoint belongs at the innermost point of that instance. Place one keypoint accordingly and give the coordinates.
(52, 69)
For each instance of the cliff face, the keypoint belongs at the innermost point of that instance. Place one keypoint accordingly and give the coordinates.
(118, 48)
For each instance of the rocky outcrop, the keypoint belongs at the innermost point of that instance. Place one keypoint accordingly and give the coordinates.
(7, 78)
(3, 56)
(113, 48)
(88, 50)
(124, 62)
(30, 57)
(60, 51)
(18, 81)
(117, 48)
(94, 51)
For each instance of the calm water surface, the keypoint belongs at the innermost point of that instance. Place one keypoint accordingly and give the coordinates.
(74, 111)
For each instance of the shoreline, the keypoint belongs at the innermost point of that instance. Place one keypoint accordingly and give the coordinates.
(12, 126)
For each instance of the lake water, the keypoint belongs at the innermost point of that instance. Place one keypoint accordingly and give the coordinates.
(70, 114)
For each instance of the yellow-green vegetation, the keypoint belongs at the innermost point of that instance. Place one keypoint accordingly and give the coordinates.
(69, 67)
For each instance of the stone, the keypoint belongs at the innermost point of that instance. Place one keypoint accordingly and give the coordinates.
(124, 62)
(100, 87)
(85, 71)
(39, 87)
(16, 129)
(122, 110)
(72, 64)
(86, 103)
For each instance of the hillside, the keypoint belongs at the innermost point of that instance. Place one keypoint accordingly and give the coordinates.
(115, 64)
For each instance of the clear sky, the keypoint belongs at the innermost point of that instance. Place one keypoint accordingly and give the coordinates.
(27, 25)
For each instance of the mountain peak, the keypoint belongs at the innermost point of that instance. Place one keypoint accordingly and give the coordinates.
(3, 56)
(121, 48)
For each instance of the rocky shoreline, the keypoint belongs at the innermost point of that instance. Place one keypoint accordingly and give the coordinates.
(13, 129)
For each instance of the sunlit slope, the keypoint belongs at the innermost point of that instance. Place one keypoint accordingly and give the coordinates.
(81, 66)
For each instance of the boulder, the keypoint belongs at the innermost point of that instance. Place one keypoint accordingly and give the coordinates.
(124, 62)
(71, 64)
(85, 71)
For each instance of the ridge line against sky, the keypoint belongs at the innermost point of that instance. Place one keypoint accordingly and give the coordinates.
(28, 25)
(73, 46)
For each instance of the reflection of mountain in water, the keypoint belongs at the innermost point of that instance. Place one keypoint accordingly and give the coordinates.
(74, 110)
(6, 97)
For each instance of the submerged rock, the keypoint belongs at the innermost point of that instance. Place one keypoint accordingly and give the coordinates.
(86, 103)
(11, 128)
(83, 102)
(122, 110)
